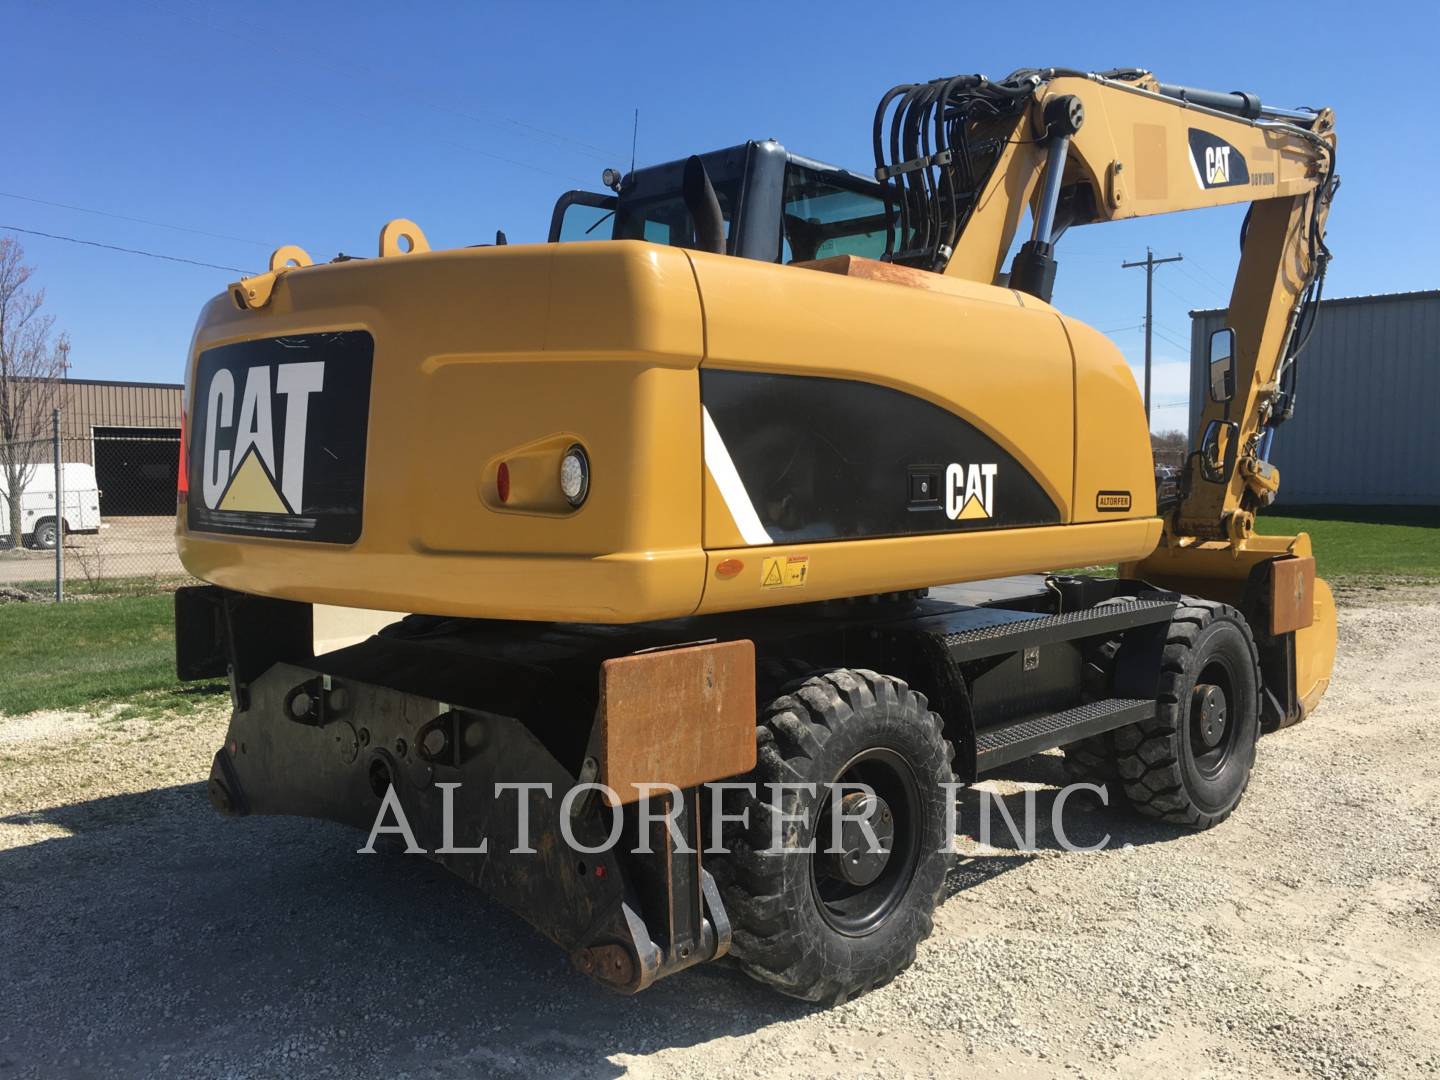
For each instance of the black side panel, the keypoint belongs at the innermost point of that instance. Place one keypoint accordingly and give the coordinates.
(831, 459)
(277, 440)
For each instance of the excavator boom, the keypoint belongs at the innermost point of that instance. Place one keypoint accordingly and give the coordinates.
(965, 158)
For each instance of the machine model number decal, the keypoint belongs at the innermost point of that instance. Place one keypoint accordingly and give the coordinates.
(969, 491)
(784, 571)
(1216, 162)
(1112, 502)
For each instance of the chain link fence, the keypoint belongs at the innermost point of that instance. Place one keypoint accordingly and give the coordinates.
(115, 532)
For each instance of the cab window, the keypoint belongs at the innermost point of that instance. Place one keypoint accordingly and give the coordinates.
(663, 219)
(586, 223)
(583, 215)
(821, 217)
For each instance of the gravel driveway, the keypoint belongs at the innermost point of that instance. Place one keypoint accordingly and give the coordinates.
(140, 934)
(124, 547)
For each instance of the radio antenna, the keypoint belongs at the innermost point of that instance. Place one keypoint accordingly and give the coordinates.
(634, 134)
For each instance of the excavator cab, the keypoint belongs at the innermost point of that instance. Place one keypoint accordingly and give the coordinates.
(774, 206)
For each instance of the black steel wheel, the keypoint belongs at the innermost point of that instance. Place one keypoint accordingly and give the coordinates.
(832, 923)
(857, 884)
(1190, 765)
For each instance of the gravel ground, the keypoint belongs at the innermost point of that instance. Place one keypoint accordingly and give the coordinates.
(140, 934)
(124, 547)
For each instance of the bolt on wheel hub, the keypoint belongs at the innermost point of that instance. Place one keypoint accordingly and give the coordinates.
(857, 857)
(1208, 714)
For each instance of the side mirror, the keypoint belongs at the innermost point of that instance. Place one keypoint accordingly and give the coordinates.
(1222, 365)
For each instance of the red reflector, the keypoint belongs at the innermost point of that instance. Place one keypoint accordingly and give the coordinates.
(502, 482)
(599, 870)
(182, 483)
(728, 568)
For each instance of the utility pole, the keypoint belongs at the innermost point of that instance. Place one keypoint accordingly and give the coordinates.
(59, 509)
(1149, 264)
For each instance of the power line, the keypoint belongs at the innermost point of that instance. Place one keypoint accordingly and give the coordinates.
(1172, 341)
(1178, 296)
(127, 251)
(348, 114)
(126, 217)
(1209, 288)
(1214, 277)
(407, 89)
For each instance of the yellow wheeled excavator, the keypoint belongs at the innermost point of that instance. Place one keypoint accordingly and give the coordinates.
(713, 543)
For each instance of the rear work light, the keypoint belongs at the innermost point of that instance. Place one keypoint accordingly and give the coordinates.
(575, 475)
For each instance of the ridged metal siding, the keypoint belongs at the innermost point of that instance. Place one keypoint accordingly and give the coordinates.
(86, 405)
(1366, 429)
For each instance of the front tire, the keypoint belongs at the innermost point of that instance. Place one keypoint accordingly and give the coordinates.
(827, 926)
(1190, 765)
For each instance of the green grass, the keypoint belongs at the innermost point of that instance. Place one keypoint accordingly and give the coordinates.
(1354, 544)
(142, 585)
(1365, 541)
(93, 652)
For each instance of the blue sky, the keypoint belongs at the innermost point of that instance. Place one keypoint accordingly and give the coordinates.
(236, 128)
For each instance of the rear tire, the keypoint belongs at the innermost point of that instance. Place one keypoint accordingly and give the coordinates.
(810, 924)
(1092, 761)
(1190, 765)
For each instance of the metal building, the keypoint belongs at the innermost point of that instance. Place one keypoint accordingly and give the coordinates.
(130, 432)
(1365, 429)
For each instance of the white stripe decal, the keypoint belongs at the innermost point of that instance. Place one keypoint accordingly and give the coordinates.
(1195, 168)
(732, 490)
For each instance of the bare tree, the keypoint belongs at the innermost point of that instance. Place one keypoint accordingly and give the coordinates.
(1174, 441)
(33, 359)
(1170, 447)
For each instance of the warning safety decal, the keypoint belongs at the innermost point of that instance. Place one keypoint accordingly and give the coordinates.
(784, 571)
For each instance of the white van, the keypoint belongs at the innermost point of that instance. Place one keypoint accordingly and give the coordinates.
(37, 504)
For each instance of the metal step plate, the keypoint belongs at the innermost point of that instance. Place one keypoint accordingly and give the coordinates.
(980, 632)
(1011, 742)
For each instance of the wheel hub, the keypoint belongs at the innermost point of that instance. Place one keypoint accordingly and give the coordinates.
(1208, 714)
(855, 858)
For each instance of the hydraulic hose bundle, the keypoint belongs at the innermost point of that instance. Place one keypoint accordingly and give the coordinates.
(944, 140)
